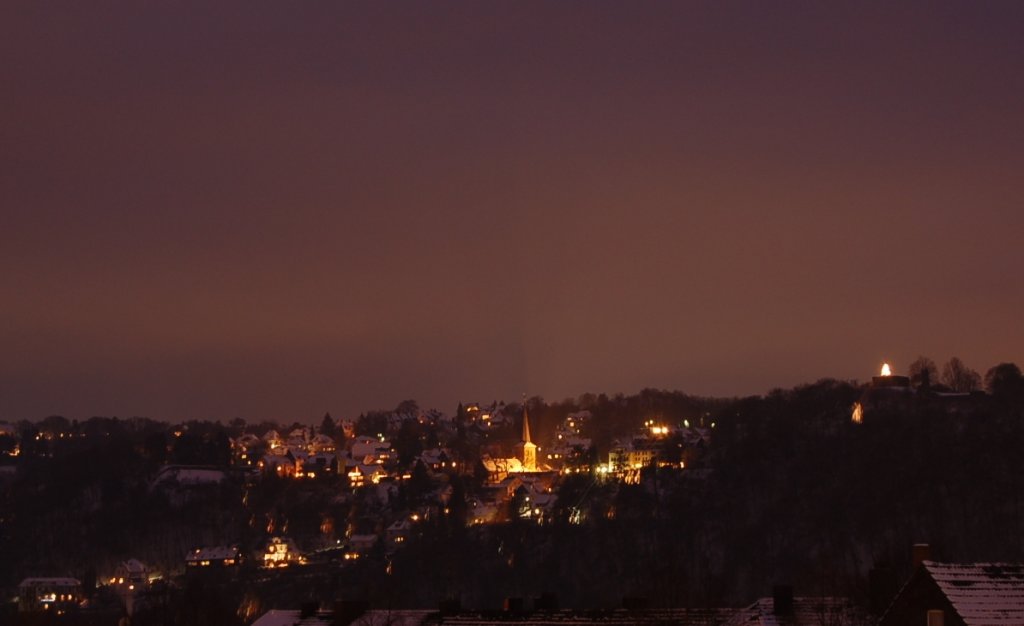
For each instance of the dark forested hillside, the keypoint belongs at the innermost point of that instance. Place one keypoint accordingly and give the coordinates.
(792, 492)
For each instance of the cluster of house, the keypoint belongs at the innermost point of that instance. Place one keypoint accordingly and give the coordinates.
(485, 416)
(275, 552)
(656, 445)
(651, 446)
(303, 454)
(63, 594)
(300, 454)
(570, 449)
(937, 594)
(526, 476)
(521, 484)
(280, 552)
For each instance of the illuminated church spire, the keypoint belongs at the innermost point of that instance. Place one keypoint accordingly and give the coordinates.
(529, 448)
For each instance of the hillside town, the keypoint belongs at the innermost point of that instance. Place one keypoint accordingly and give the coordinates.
(137, 519)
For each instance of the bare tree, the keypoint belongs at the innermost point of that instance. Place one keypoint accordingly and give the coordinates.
(958, 377)
(923, 372)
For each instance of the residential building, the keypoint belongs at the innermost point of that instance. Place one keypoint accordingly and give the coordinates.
(959, 594)
(49, 594)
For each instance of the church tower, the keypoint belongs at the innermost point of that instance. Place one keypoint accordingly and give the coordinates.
(529, 448)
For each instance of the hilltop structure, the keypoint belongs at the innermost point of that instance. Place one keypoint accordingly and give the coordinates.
(890, 392)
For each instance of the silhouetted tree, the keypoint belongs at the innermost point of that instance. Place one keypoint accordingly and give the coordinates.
(89, 582)
(458, 509)
(923, 372)
(407, 443)
(958, 377)
(155, 448)
(31, 442)
(372, 423)
(1005, 381)
(219, 449)
(55, 424)
(407, 407)
(418, 485)
(328, 427)
(518, 503)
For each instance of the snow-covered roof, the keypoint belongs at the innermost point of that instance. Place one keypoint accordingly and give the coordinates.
(364, 540)
(434, 455)
(278, 459)
(544, 500)
(484, 512)
(281, 540)
(582, 442)
(371, 470)
(569, 617)
(38, 581)
(982, 593)
(133, 566)
(276, 617)
(184, 475)
(493, 465)
(215, 553)
(392, 618)
(247, 440)
(806, 611)
(400, 525)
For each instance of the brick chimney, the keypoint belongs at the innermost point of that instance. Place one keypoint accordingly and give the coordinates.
(882, 588)
(546, 602)
(782, 600)
(920, 553)
(309, 609)
(450, 606)
(346, 611)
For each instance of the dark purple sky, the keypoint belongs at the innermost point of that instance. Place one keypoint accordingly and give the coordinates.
(271, 210)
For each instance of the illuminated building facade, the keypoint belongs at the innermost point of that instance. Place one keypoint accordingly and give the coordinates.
(49, 594)
(280, 552)
(218, 557)
(528, 449)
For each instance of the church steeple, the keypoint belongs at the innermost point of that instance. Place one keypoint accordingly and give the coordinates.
(529, 448)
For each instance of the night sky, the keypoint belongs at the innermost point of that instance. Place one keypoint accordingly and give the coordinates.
(273, 210)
